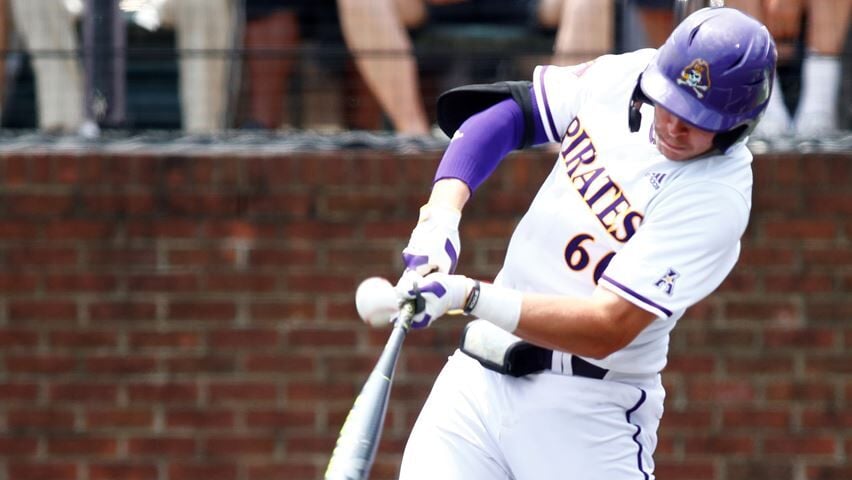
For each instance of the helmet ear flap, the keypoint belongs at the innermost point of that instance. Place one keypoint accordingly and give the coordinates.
(637, 99)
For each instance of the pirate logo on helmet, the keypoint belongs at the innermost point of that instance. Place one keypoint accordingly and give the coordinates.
(696, 76)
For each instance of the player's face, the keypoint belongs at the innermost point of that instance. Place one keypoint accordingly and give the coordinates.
(678, 140)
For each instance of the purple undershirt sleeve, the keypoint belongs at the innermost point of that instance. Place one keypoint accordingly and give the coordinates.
(484, 139)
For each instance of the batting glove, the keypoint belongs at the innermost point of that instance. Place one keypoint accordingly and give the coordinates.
(436, 295)
(434, 245)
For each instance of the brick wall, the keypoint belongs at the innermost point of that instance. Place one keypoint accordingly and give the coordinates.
(183, 317)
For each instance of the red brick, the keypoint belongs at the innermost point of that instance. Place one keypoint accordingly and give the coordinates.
(202, 310)
(167, 393)
(204, 364)
(313, 392)
(800, 391)
(120, 365)
(290, 204)
(690, 470)
(204, 471)
(829, 472)
(318, 337)
(164, 339)
(762, 365)
(829, 364)
(17, 338)
(78, 340)
(42, 204)
(326, 283)
(254, 339)
(18, 391)
(119, 418)
(281, 363)
(174, 447)
(18, 283)
(281, 419)
(81, 445)
(289, 309)
(239, 446)
(64, 230)
(17, 447)
(166, 228)
(123, 471)
(53, 310)
(52, 470)
(203, 257)
(241, 230)
(19, 229)
(80, 282)
(242, 392)
(313, 231)
(720, 392)
(88, 393)
(25, 256)
(796, 229)
(821, 445)
(800, 338)
(240, 282)
(45, 364)
(289, 257)
(166, 282)
(122, 310)
(755, 419)
(40, 419)
(776, 468)
(199, 419)
(694, 419)
(292, 469)
(828, 419)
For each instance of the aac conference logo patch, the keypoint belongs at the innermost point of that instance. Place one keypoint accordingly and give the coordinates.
(696, 76)
(666, 283)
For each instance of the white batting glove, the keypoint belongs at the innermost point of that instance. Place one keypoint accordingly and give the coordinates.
(438, 294)
(434, 245)
(435, 295)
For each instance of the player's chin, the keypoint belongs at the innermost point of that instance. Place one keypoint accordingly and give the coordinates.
(672, 152)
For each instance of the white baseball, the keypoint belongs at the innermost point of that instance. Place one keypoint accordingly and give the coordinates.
(376, 301)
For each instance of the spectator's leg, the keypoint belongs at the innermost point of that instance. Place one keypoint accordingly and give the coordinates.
(269, 41)
(4, 45)
(658, 24)
(586, 31)
(821, 69)
(776, 121)
(205, 31)
(46, 25)
(374, 31)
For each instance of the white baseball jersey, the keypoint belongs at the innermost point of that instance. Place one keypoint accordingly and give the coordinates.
(661, 234)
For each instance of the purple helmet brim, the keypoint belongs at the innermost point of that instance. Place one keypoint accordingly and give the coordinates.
(663, 92)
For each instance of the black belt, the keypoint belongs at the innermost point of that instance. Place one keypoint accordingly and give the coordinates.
(524, 358)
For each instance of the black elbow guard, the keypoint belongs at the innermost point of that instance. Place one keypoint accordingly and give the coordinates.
(457, 105)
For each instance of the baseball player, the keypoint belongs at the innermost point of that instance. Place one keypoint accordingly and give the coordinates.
(640, 218)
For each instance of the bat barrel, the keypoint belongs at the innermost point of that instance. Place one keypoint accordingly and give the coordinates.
(359, 437)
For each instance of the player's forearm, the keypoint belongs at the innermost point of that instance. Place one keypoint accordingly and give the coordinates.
(450, 192)
(591, 327)
(577, 325)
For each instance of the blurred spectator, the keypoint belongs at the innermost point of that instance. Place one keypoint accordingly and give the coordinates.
(206, 32)
(48, 33)
(375, 32)
(585, 28)
(825, 33)
(271, 35)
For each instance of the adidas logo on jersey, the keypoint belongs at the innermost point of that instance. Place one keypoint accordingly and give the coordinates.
(656, 179)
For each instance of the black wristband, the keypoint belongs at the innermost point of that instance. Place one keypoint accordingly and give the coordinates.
(472, 298)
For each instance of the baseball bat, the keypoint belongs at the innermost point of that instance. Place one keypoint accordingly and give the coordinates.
(359, 437)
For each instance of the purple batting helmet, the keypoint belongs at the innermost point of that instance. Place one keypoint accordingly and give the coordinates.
(715, 72)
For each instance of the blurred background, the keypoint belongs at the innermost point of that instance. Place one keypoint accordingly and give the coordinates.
(107, 67)
(192, 190)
